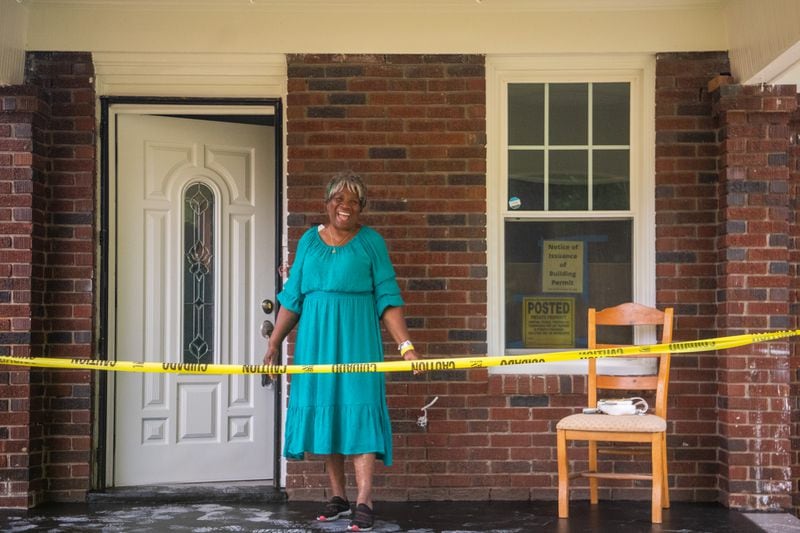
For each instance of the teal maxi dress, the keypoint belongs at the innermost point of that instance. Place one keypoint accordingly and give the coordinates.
(339, 293)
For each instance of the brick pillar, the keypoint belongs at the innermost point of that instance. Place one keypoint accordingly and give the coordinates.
(69, 253)
(753, 294)
(686, 260)
(47, 179)
(22, 113)
(794, 277)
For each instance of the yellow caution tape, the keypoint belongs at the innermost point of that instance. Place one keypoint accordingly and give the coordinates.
(719, 343)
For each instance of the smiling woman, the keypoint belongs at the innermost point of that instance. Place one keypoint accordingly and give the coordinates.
(340, 287)
(345, 198)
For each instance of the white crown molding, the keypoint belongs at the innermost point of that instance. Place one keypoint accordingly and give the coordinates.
(190, 74)
(468, 6)
(783, 70)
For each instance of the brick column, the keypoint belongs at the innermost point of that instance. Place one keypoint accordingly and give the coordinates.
(69, 253)
(48, 245)
(753, 294)
(686, 260)
(794, 277)
(22, 112)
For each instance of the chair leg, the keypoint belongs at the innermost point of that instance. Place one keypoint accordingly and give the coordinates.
(658, 477)
(665, 486)
(593, 468)
(563, 475)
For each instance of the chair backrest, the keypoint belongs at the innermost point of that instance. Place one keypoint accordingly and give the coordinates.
(631, 314)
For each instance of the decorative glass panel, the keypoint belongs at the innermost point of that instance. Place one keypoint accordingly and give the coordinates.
(198, 274)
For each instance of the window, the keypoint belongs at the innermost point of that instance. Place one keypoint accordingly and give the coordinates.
(571, 193)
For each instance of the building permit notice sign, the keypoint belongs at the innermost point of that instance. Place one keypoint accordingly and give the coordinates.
(548, 322)
(562, 266)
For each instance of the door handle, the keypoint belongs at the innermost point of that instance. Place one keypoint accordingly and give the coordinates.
(267, 306)
(266, 328)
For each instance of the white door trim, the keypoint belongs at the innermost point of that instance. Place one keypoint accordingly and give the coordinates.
(114, 111)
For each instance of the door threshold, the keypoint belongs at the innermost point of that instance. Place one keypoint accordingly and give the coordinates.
(214, 492)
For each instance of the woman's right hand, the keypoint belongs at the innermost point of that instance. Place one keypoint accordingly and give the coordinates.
(270, 356)
(412, 355)
(283, 325)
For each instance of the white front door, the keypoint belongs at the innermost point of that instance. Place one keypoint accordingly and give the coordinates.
(194, 241)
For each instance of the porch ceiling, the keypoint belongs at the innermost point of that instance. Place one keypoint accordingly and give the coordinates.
(377, 26)
(394, 5)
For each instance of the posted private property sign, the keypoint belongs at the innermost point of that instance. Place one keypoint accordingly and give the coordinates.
(548, 322)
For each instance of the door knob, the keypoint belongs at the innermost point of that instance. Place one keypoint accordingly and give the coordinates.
(267, 306)
(266, 328)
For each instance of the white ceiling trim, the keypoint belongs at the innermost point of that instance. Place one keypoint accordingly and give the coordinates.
(783, 70)
(469, 6)
(190, 74)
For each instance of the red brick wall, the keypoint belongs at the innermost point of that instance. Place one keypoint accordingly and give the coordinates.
(493, 438)
(48, 161)
(686, 260)
(414, 127)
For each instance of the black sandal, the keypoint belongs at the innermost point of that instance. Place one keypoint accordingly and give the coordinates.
(363, 520)
(335, 509)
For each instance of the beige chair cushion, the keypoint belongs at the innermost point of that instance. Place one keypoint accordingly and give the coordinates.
(625, 423)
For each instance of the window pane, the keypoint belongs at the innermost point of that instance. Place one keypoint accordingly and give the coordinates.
(526, 179)
(569, 113)
(611, 179)
(555, 271)
(198, 275)
(611, 113)
(569, 181)
(526, 114)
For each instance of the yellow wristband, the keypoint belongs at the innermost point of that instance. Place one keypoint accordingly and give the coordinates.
(406, 347)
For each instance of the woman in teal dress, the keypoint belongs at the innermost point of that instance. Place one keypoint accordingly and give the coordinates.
(340, 287)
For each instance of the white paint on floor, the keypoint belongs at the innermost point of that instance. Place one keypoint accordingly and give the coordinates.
(775, 522)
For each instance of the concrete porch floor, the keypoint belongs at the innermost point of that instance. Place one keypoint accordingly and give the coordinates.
(207, 516)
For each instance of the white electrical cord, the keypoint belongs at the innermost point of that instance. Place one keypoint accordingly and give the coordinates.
(422, 421)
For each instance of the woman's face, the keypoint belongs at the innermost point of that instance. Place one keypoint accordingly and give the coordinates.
(344, 210)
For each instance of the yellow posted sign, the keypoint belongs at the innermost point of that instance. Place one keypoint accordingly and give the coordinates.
(548, 322)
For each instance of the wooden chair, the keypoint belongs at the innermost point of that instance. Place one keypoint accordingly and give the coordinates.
(650, 429)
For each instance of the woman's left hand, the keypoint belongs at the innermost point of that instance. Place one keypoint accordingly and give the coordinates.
(412, 355)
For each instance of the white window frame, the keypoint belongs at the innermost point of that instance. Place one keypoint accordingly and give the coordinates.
(639, 71)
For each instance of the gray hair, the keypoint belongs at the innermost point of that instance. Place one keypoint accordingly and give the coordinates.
(350, 181)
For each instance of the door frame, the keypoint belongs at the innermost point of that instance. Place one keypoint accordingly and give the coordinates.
(266, 111)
